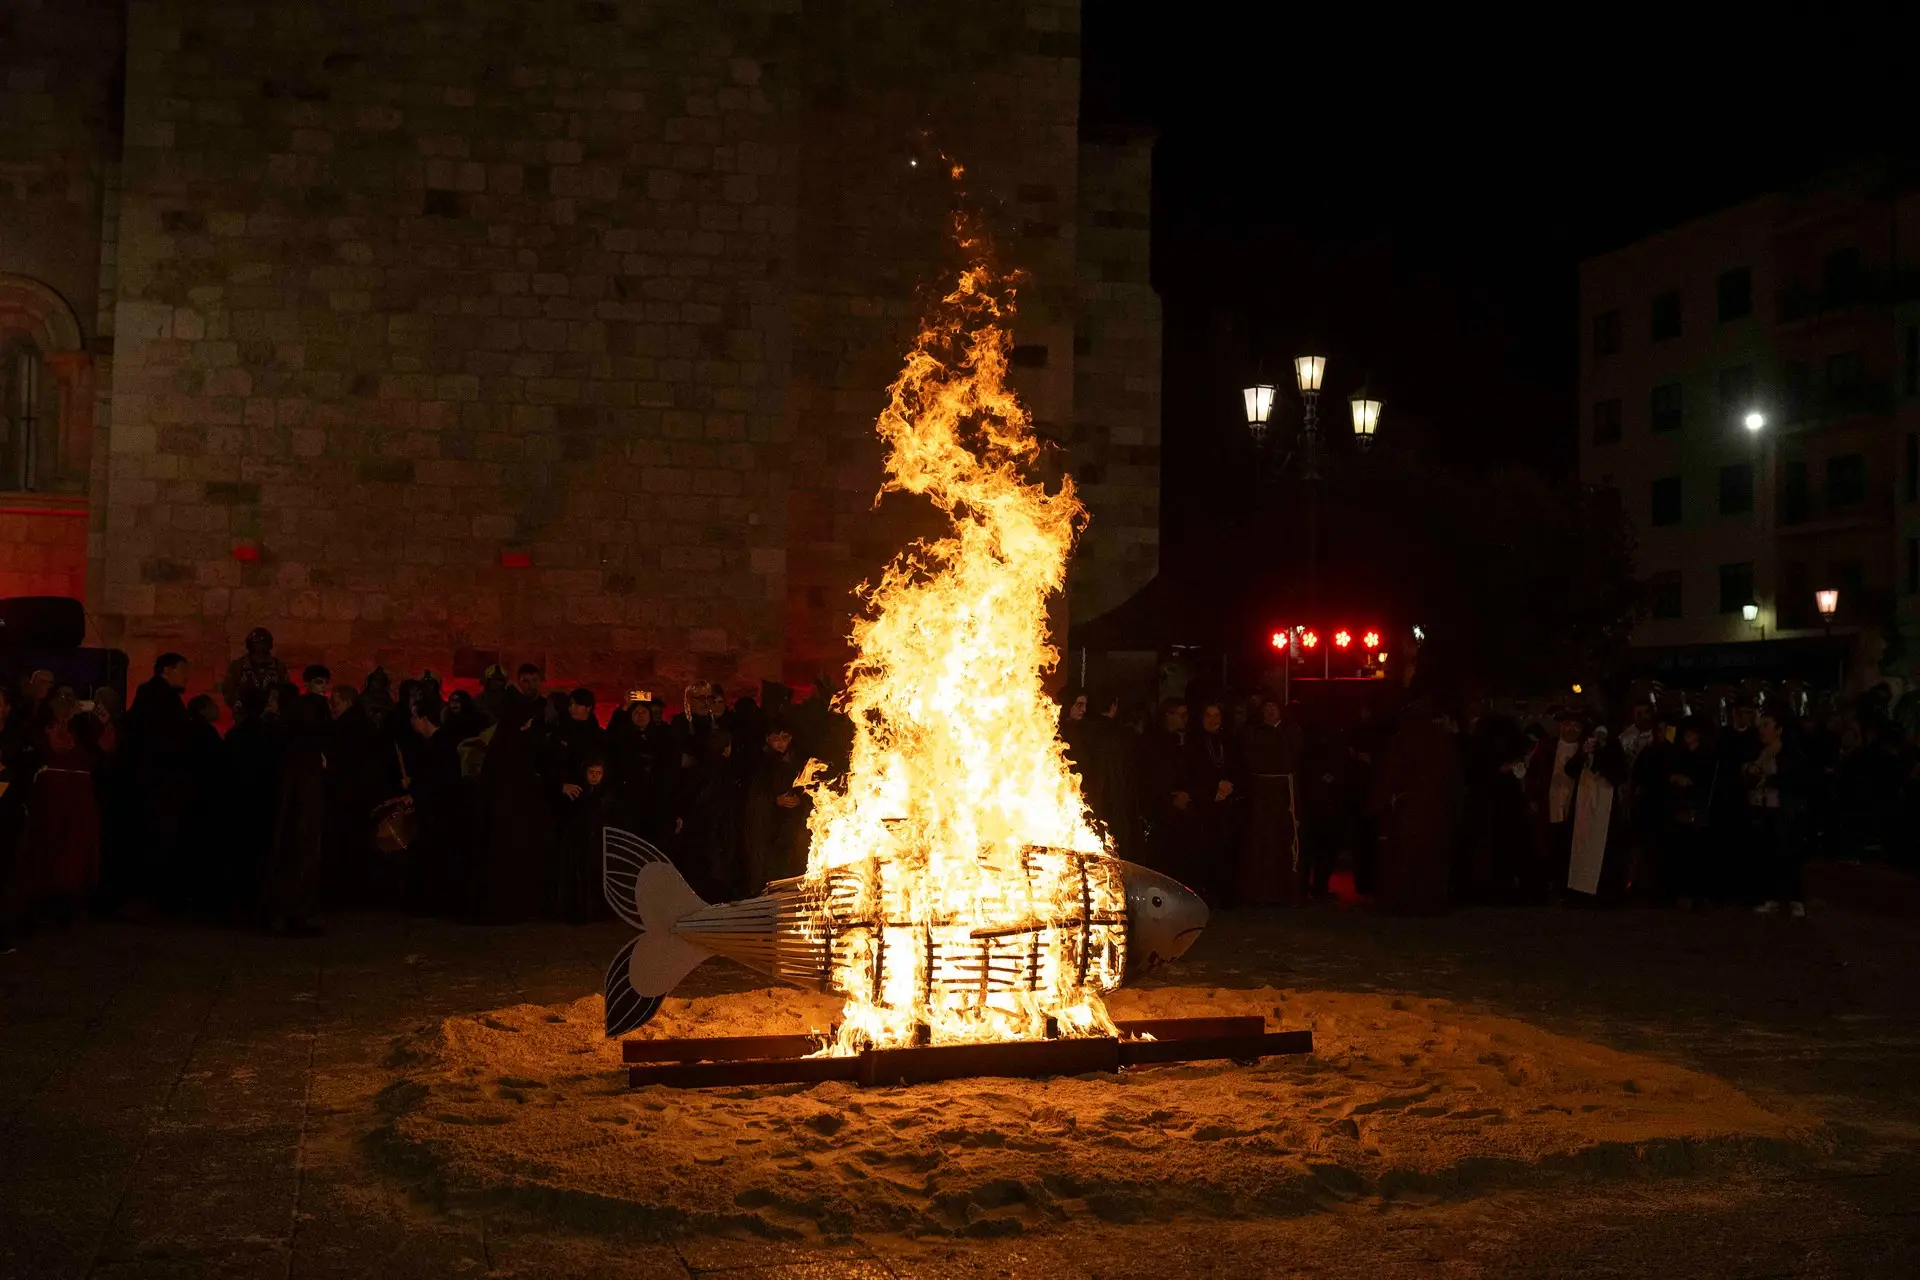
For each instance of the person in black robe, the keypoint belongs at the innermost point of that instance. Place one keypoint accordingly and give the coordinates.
(1173, 830)
(291, 892)
(644, 764)
(1272, 869)
(710, 843)
(19, 761)
(206, 835)
(577, 737)
(588, 807)
(159, 751)
(516, 834)
(250, 791)
(775, 839)
(361, 772)
(1214, 774)
(433, 877)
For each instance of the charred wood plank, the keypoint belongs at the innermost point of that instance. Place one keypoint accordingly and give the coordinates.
(1142, 1053)
(1191, 1028)
(719, 1048)
(709, 1075)
(1008, 1058)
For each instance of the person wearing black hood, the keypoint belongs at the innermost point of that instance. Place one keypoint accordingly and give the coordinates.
(588, 807)
(250, 786)
(575, 737)
(362, 770)
(292, 888)
(1214, 771)
(645, 765)
(710, 845)
(775, 839)
(159, 751)
(205, 833)
(435, 878)
(516, 823)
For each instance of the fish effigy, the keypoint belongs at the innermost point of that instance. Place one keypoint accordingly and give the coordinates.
(1069, 924)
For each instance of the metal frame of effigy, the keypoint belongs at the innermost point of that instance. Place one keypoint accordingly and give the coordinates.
(711, 1062)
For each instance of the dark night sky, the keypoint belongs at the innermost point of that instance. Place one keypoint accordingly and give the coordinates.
(1417, 201)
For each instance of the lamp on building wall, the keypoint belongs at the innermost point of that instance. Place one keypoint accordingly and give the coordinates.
(1755, 420)
(1750, 611)
(1828, 601)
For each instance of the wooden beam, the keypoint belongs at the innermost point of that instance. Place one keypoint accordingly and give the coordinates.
(710, 1075)
(1190, 1028)
(1142, 1053)
(719, 1048)
(1000, 1058)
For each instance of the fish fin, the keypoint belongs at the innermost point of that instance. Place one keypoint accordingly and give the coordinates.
(627, 1009)
(657, 960)
(622, 854)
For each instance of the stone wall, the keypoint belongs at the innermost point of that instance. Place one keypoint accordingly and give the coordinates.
(559, 331)
(1115, 450)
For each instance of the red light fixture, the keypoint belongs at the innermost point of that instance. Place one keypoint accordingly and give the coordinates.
(1309, 640)
(1371, 639)
(246, 552)
(516, 559)
(1279, 640)
(1342, 638)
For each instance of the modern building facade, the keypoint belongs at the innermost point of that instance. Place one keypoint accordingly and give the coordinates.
(1750, 383)
(426, 332)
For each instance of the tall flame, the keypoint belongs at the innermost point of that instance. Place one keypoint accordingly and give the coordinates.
(958, 791)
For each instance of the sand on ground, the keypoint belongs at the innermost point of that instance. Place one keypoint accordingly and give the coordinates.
(1404, 1099)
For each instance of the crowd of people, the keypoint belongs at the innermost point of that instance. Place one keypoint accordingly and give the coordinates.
(488, 806)
(1689, 800)
(482, 806)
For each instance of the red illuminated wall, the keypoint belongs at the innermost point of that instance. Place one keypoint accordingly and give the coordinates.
(43, 552)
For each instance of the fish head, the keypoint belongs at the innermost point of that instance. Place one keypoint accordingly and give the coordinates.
(1163, 918)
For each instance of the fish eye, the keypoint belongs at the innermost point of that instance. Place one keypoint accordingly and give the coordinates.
(1158, 901)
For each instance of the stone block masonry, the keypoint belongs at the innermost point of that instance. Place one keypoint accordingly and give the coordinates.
(556, 331)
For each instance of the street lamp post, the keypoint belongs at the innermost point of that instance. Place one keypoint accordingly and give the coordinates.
(1309, 373)
(1827, 600)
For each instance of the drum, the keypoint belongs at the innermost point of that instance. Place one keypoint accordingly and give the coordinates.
(394, 825)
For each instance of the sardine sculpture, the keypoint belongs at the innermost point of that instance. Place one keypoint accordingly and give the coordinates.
(1075, 922)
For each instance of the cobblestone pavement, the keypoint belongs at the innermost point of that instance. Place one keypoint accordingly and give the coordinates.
(183, 1101)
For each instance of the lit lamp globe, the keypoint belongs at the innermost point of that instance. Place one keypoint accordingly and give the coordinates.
(1309, 370)
(1259, 398)
(1750, 611)
(1755, 420)
(1366, 419)
(1828, 601)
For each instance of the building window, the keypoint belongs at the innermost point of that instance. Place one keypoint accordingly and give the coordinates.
(1606, 422)
(1850, 575)
(1736, 392)
(1796, 395)
(1736, 489)
(1664, 407)
(1846, 480)
(1606, 333)
(1846, 370)
(26, 428)
(1665, 316)
(1735, 293)
(1663, 594)
(1736, 586)
(1666, 500)
(1796, 492)
(1843, 278)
